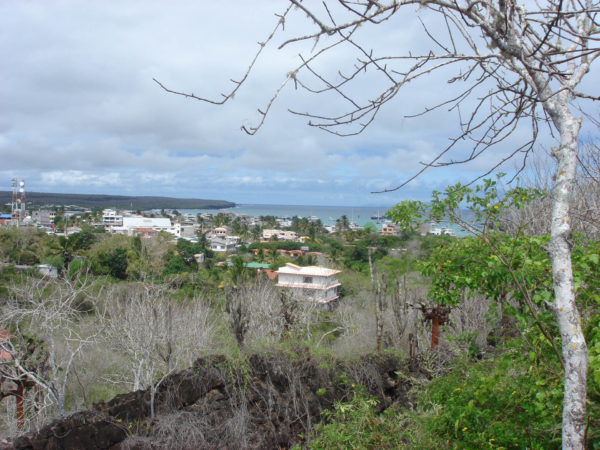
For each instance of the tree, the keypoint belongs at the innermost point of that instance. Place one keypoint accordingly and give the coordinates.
(50, 332)
(521, 66)
(156, 334)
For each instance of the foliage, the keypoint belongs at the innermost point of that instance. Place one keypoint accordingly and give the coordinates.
(118, 201)
(114, 263)
(513, 401)
(357, 425)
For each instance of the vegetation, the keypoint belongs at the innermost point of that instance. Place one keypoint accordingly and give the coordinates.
(118, 201)
(128, 312)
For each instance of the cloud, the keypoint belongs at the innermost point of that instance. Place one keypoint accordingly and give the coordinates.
(82, 114)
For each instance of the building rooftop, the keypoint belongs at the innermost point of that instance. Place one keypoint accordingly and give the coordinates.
(315, 271)
(255, 265)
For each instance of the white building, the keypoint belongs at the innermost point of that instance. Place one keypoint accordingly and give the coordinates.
(281, 235)
(111, 217)
(130, 224)
(315, 284)
(223, 245)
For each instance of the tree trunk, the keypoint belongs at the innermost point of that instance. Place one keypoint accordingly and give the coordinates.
(20, 410)
(435, 330)
(574, 348)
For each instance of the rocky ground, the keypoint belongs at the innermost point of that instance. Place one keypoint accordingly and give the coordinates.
(266, 401)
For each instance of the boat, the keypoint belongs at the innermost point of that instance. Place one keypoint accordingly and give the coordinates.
(331, 219)
(313, 218)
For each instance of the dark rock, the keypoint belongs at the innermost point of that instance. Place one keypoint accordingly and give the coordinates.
(265, 403)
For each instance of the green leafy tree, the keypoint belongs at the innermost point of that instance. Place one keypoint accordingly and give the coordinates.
(115, 263)
(519, 264)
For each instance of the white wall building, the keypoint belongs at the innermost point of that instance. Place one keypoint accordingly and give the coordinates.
(223, 245)
(130, 224)
(281, 235)
(111, 217)
(315, 284)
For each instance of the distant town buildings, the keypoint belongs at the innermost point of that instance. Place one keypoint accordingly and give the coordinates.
(130, 224)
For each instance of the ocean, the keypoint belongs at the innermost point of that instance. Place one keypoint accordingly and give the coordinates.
(361, 215)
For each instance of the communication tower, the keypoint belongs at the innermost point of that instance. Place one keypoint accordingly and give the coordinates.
(17, 206)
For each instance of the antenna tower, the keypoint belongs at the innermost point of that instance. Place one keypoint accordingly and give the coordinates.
(17, 205)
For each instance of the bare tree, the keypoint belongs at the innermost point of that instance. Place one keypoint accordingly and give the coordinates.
(51, 330)
(155, 334)
(521, 65)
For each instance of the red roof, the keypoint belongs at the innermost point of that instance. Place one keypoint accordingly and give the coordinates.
(5, 335)
(270, 273)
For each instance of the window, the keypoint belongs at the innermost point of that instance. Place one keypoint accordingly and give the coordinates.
(307, 280)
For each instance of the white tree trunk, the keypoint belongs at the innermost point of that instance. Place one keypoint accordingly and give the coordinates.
(574, 348)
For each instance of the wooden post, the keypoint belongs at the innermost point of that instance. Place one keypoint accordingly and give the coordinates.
(435, 329)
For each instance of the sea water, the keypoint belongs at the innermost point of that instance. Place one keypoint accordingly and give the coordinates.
(361, 215)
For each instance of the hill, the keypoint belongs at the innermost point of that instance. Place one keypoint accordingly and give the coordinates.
(117, 201)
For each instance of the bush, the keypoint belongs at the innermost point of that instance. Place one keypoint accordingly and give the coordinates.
(512, 401)
(357, 425)
(28, 258)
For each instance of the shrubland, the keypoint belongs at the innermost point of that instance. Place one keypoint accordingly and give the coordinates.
(127, 314)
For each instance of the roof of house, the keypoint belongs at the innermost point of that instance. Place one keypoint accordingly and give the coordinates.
(255, 265)
(370, 226)
(293, 269)
(139, 222)
(270, 273)
(145, 230)
(5, 335)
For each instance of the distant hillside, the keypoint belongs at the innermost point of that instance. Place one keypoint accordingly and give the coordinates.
(117, 201)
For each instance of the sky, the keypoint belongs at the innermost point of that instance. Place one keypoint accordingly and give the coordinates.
(80, 112)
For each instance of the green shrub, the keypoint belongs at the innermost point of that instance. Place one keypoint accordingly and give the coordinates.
(357, 425)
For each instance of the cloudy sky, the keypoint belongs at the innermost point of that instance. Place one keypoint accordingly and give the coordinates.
(80, 112)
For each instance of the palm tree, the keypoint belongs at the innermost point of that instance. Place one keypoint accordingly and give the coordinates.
(244, 232)
(256, 233)
(304, 224)
(63, 246)
(295, 223)
(345, 222)
(319, 225)
(236, 227)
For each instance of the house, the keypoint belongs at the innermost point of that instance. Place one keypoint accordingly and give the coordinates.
(199, 257)
(223, 245)
(47, 270)
(256, 251)
(5, 219)
(73, 230)
(188, 231)
(314, 284)
(389, 229)
(220, 232)
(43, 217)
(281, 235)
(145, 233)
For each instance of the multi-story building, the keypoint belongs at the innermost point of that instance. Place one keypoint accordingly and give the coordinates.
(314, 284)
(43, 217)
(110, 217)
(223, 245)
